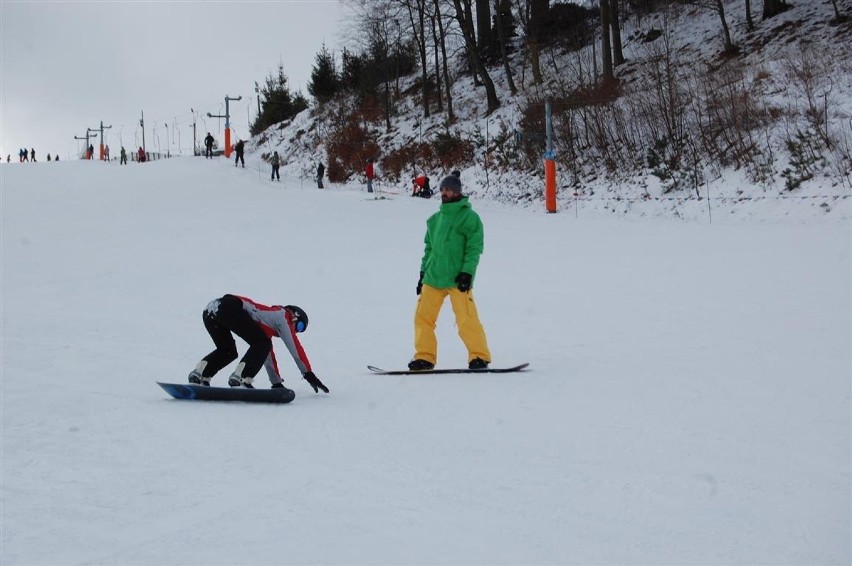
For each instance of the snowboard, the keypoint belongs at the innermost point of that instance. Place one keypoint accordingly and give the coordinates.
(513, 369)
(189, 391)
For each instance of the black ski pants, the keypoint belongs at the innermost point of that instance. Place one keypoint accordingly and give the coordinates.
(232, 318)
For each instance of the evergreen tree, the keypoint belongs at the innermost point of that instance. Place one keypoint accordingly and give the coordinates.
(325, 82)
(278, 104)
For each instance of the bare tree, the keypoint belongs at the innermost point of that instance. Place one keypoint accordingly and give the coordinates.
(539, 10)
(502, 7)
(439, 18)
(615, 28)
(483, 24)
(416, 17)
(749, 20)
(606, 49)
(717, 6)
(466, 25)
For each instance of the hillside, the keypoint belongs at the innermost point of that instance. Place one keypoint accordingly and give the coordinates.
(789, 69)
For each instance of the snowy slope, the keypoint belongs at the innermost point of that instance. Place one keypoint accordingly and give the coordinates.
(688, 400)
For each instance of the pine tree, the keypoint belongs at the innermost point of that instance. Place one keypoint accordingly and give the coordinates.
(279, 103)
(325, 82)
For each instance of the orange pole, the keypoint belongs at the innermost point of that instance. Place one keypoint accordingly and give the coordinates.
(101, 151)
(227, 142)
(550, 185)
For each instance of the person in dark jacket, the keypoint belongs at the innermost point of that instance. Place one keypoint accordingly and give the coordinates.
(239, 149)
(276, 164)
(453, 243)
(257, 324)
(320, 173)
(123, 160)
(208, 144)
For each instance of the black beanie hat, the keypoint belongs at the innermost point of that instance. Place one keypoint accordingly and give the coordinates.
(452, 183)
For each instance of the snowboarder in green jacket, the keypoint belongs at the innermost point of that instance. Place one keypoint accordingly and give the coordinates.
(453, 243)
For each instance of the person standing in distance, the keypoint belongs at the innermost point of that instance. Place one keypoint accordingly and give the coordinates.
(208, 145)
(453, 243)
(370, 174)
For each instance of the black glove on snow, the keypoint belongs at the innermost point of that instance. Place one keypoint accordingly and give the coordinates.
(420, 283)
(464, 280)
(314, 382)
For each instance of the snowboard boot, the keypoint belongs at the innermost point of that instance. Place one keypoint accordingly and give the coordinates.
(477, 363)
(237, 379)
(420, 365)
(196, 376)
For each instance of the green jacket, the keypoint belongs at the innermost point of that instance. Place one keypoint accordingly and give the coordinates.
(454, 241)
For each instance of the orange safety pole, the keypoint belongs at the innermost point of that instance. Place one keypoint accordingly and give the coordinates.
(550, 185)
(227, 142)
(101, 152)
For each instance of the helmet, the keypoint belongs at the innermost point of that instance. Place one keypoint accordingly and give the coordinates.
(300, 318)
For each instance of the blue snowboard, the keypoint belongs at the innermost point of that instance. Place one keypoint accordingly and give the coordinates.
(189, 392)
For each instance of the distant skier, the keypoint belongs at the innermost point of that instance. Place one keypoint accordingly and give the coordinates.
(106, 153)
(240, 149)
(140, 155)
(208, 144)
(320, 173)
(370, 173)
(32, 154)
(257, 324)
(123, 156)
(276, 163)
(48, 157)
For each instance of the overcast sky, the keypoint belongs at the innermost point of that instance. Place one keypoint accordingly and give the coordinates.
(67, 66)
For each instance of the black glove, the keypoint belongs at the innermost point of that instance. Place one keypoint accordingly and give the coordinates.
(464, 280)
(420, 283)
(314, 382)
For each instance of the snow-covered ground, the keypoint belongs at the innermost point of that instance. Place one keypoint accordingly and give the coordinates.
(688, 399)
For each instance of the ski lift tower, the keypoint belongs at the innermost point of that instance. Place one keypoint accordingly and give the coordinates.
(227, 118)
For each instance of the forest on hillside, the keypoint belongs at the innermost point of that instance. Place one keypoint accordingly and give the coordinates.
(680, 89)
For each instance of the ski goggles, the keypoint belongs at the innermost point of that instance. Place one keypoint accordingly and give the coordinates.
(299, 326)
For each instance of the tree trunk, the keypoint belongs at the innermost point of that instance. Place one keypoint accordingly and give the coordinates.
(433, 26)
(483, 25)
(836, 11)
(606, 49)
(539, 10)
(720, 9)
(418, 28)
(615, 26)
(468, 14)
(470, 44)
(502, 38)
(447, 84)
(773, 8)
(749, 20)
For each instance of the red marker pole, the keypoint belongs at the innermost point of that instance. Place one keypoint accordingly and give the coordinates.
(550, 185)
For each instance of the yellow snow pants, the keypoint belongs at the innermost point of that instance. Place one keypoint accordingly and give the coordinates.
(467, 320)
